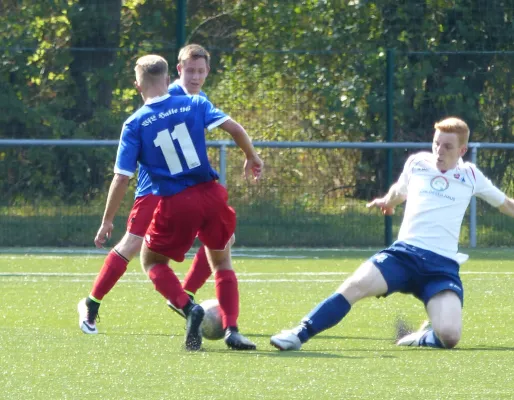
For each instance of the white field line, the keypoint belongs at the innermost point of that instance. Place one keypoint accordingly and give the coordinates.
(147, 281)
(77, 274)
(129, 281)
(248, 277)
(188, 256)
(236, 250)
(239, 274)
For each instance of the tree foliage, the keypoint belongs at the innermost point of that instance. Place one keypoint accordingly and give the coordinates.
(288, 70)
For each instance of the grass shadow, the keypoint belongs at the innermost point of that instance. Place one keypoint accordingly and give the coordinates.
(283, 354)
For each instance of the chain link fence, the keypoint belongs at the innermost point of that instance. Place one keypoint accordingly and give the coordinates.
(309, 197)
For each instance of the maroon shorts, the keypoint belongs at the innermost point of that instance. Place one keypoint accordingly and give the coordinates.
(201, 210)
(141, 214)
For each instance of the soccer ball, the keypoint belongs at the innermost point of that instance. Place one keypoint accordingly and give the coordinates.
(212, 325)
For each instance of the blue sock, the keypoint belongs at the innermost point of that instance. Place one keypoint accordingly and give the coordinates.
(326, 314)
(430, 339)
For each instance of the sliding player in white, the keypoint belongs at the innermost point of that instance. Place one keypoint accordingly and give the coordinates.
(423, 261)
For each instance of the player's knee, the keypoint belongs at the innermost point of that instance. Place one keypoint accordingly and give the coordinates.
(449, 335)
(219, 259)
(129, 246)
(221, 265)
(149, 259)
(143, 260)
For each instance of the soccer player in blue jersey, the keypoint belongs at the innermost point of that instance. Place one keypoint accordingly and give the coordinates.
(166, 137)
(193, 68)
(438, 187)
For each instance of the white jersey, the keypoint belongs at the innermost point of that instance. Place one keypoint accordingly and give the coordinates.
(437, 201)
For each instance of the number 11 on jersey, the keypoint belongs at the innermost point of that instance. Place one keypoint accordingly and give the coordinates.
(164, 140)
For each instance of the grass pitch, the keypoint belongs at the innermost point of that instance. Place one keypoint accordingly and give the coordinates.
(139, 353)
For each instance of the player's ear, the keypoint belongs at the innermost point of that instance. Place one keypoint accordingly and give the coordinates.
(179, 69)
(463, 150)
(138, 86)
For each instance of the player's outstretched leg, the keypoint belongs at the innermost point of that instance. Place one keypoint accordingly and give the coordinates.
(88, 314)
(324, 316)
(366, 281)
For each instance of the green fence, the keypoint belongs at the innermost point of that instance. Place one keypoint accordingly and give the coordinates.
(309, 197)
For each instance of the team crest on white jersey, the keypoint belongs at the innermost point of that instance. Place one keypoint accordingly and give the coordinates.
(439, 183)
(459, 177)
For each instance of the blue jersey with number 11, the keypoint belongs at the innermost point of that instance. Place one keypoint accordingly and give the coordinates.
(144, 185)
(167, 137)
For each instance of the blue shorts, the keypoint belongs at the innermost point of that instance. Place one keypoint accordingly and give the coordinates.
(423, 273)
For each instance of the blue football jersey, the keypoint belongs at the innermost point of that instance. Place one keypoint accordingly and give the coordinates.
(167, 138)
(144, 184)
(176, 89)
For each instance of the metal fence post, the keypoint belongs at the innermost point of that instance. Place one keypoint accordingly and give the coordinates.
(388, 221)
(181, 23)
(473, 208)
(223, 165)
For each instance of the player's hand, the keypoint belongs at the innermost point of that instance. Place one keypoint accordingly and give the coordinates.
(253, 168)
(103, 234)
(382, 204)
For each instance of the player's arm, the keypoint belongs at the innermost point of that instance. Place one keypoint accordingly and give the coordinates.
(117, 191)
(397, 193)
(507, 207)
(393, 198)
(485, 190)
(253, 164)
(124, 168)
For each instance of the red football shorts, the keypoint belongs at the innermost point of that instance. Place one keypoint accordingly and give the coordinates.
(141, 214)
(201, 210)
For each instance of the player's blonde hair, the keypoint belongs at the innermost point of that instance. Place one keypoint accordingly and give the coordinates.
(150, 68)
(454, 125)
(194, 51)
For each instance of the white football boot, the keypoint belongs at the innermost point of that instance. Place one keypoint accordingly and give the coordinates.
(177, 310)
(412, 339)
(87, 322)
(286, 340)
